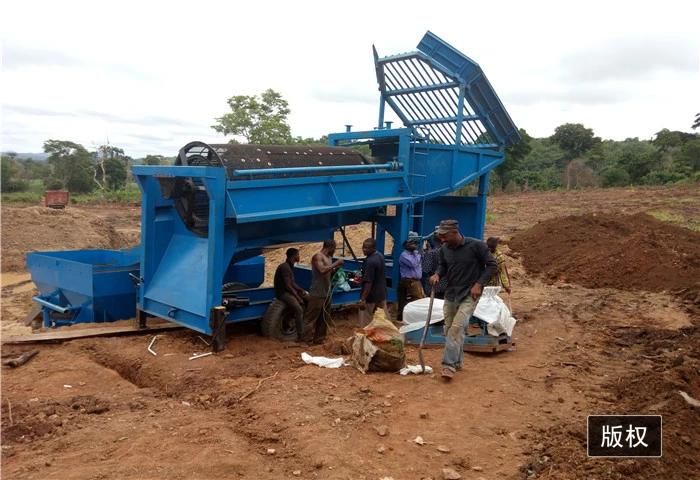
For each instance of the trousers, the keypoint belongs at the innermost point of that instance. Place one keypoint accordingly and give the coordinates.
(457, 317)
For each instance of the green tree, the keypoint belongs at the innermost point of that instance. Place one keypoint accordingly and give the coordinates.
(614, 176)
(258, 119)
(53, 184)
(115, 173)
(10, 169)
(72, 164)
(665, 140)
(575, 140)
(513, 157)
(689, 155)
(117, 160)
(154, 160)
(539, 169)
(638, 158)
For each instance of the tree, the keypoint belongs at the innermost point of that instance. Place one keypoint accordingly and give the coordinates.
(72, 164)
(108, 154)
(665, 140)
(514, 155)
(575, 140)
(696, 123)
(154, 160)
(689, 156)
(258, 119)
(614, 177)
(115, 173)
(9, 181)
(638, 158)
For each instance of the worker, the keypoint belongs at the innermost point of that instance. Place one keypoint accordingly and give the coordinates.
(431, 257)
(373, 294)
(287, 291)
(318, 308)
(468, 265)
(502, 277)
(410, 270)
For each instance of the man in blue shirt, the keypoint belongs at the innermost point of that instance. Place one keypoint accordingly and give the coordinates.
(411, 271)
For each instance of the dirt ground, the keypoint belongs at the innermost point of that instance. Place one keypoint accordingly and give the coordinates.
(106, 408)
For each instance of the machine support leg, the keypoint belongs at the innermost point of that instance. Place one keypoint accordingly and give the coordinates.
(217, 322)
(140, 319)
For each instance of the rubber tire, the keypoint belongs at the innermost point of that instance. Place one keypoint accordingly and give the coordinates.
(233, 286)
(273, 321)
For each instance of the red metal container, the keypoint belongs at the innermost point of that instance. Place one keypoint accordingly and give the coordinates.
(56, 198)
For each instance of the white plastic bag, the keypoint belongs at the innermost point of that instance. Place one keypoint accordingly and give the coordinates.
(416, 313)
(493, 310)
(322, 361)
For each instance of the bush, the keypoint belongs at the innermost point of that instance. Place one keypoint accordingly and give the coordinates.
(15, 186)
(614, 177)
(659, 177)
(53, 184)
(22, 197)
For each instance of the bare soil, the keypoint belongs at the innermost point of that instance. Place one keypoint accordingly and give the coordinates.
(106, 408)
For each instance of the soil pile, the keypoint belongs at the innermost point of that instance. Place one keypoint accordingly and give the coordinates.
(628, 252)
(39, 228)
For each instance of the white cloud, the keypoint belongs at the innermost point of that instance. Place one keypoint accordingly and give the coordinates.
(152, 76)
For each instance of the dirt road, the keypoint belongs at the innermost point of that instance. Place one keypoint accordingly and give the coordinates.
(106, 408)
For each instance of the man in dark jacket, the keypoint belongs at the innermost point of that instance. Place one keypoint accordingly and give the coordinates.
(287, 290)
(373, 294)
(468, 266)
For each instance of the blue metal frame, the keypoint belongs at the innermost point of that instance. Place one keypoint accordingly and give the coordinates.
(454, 132)
(84, 286)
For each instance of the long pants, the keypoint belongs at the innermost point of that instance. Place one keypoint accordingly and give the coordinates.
(296, 309)
(367, 314)
(457, 317)
(408, 288)
(316, 319)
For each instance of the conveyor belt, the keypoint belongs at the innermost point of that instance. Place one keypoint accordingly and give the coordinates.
(191, 199)
(241, 157)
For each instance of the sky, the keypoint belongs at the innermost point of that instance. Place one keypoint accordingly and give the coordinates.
(151, 76)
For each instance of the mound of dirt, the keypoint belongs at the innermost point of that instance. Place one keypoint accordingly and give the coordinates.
(39, 228)
(627, 252)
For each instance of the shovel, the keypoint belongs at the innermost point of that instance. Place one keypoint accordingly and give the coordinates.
(425, 330)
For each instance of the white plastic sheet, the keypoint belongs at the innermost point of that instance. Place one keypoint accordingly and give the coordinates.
(323, 361)
(415, 369)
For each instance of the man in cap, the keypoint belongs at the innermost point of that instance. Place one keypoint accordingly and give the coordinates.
(468, 266)
(410, 271)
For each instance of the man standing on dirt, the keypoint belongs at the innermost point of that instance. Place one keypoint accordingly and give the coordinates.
(411, 273)
(318, 309)
(468, 266)
(502, 277)
(373, 294)
(287, 291)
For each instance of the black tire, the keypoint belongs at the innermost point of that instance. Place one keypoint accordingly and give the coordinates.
(272, 322)
(233, 286)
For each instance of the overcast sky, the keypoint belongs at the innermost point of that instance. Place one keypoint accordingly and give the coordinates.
(150, 76)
